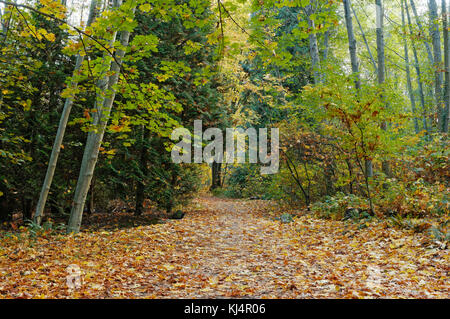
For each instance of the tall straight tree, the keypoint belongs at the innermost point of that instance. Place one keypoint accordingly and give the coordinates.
(419, 24)
(354, 63)
(313, 46)
(418, 72)
(95, 138)
(446, 113)
(364, 38)
(61, 130)
(408, 73)
(352, 44)
(437, 59)
(381, 65)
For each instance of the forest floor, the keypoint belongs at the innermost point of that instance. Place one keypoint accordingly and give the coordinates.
(226, 248)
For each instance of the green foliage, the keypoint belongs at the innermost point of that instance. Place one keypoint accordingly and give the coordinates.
(245, 181)
(47, 228)
(341, 206)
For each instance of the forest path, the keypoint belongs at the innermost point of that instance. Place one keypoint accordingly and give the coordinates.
(232, 248)
(226, 248)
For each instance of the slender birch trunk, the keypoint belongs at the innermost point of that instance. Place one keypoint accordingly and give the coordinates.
(381, 65)
(313, 47)
(408, 73)
(95, 139)
(61, 131)
(437, 62)
(419, 24)
(352, 45)
(418, 73)
(446, 114)
(365, 39)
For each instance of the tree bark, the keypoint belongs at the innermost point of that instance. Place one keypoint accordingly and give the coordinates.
(418, 73)
(381, 65)
(408, 73)
(95, 139)
(365, 40)
(326, 45)
(437, 62)
(419, 24)
(352, 45)
(354, 63)
(313, 47)
(446, 114)
(216, 170)
(61, 131)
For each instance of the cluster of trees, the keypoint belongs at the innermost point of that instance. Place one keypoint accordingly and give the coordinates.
(133, 70)
(356, 110)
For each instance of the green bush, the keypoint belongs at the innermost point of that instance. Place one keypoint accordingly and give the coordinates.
(341, 206)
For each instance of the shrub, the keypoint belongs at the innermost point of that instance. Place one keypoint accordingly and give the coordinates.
(336, 207)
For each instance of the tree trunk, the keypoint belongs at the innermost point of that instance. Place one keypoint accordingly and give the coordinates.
(60, 133)
(95, 139)
(90, 208)
(313, 47)
(436, 41)
(365, 40)
(326, 45)
(216, 170)
(419, 24)
(381, 65)
(446, 114)
(418, 73)
(352, 45)
(408, 73)
(354, 62)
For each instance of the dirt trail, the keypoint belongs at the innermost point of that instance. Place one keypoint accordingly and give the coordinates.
(225, 249)
(232, 249)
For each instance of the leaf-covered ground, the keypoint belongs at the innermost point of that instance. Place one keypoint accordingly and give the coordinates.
(228, 248)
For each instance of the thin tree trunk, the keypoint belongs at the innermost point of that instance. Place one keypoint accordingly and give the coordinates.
(326, 45)
(419, 24)
(446, 114)
(365, 40)
(418, 73)
(355, 64)
(313, 47)
(381, 65)
(408, 73)
(352, 45)
(61, 131)
(95, 139)
(90, 208)
(436, 41)
(216, 172)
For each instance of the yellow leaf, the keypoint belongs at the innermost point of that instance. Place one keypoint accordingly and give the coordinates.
(50, 37)
(168, 267)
